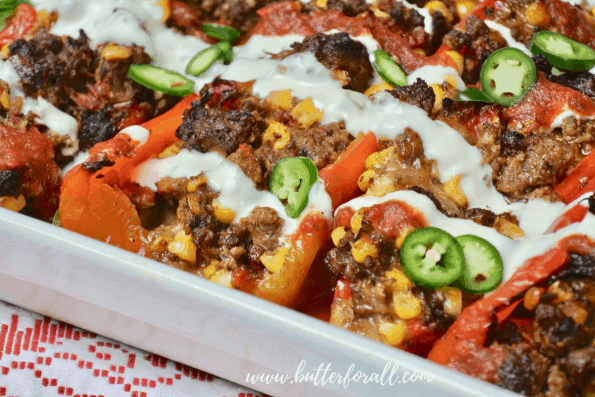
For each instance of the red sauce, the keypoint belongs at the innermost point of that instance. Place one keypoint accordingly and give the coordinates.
(32, 154)
(393, 217)
(544, 102)
(343, 217)
(21, 22)
(279, 19)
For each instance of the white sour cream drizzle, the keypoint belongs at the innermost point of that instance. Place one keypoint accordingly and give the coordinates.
(505, 32)
(236, 190)
(104, 20)
(435, 74)
(514, 252)
(46, 113)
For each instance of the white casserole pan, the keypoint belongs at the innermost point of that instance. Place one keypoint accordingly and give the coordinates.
(177, 315)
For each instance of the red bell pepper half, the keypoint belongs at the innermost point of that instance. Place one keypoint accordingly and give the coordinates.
(462, 347)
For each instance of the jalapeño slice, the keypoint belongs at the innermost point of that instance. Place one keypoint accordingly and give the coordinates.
(202, 61)
(221, 32)
(291, 180)
(432, 258)
(507, 75)
(484, 268)
(388, 69)
(563, 52)
(161, 80)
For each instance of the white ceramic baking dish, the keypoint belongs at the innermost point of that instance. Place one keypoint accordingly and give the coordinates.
(223, 331)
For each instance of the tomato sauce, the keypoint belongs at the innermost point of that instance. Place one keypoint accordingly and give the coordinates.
(280, 19)
(32, 154)
(544, 102)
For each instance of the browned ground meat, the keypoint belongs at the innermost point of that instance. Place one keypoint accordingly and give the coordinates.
(418, 94)
(549, 349)
(189, 15)
(561, 16)
(231, 245)
(230, 120)
(347, 59)
(78, 80)
(375, 295)
(524, 166)
(476, 42)
(411, 21)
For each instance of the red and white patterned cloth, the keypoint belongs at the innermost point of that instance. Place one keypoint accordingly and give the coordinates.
(40, 356)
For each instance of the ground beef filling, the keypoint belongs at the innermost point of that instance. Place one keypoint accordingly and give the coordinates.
(549, 345)
(347, 59)
(189, 15)
(375, 292)
(87, 84)
(255, 134)
(475, 42)
(218, 242)
(525, 165)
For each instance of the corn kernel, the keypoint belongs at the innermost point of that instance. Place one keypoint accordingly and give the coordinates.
(402, 282)
(337, 235)
(451, 80)
(195, 183)
(458, 60)
(224, 214)
(454, 300)
(277, 135)
(379, 13)
(532, 297)
(170, 151)
(593, 12)
(576, 312)
(43, 19)
(393, 333)
(439, 92)
(403, 235)
(438, 6)
(508, 229)
(342, 76)
(281, 99)
(382, 185)
(5, 52)
(464, 8)
(420, 51)
(13, 203)
(166, 6)
(211, 269)
(406, 306)
(306, 114)
(183, 247)
(321, 4)
(363, 248)
(222, 277)
(563, 293)
(356, 221)
(536, 14)
(160, 243)
(275, 261)
(113, 52)
(5, 100)
(453, 188)
(375, 89)
(365, 178)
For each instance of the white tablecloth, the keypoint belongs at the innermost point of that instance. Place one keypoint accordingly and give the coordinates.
(40, 356)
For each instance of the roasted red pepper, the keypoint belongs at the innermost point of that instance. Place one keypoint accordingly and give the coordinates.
(463, 348)
(341, 177)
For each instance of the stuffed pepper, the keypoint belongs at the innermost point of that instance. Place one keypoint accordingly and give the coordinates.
(406, 270)
(535, 334)
(230, 190)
